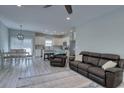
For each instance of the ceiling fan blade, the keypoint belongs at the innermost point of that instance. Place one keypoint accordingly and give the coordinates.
(69, 9)
(46, 6)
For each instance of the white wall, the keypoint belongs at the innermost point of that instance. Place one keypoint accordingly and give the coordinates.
(104, 34)
(3, 37)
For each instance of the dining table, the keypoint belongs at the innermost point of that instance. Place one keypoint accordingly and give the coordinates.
(14, 56)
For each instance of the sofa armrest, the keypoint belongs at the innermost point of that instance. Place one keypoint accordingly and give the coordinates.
(71, 58)
(114, 70)
(114, 77)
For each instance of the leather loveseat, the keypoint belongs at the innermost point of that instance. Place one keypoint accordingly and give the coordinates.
(91, 67)
(58, 60)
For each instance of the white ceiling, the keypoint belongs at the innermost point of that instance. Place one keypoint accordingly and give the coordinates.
(50, 20)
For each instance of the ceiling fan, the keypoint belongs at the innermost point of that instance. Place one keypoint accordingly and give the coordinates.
(67, 7)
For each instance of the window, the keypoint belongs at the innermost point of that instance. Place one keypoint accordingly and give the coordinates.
(21, 44)
(48, 43)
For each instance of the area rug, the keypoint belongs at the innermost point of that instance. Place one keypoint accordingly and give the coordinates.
(64, 79)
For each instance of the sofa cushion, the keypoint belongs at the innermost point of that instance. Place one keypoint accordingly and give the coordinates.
(92, 60)
(84, 66)
(85, 58)
(102, 62)
(74, 63)
(93, 54)
(97, 79)
(113, 57)
(97, 71)
(84, 53)
(90, 57)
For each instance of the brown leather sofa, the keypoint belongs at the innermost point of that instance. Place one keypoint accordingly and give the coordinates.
(58, 60)
(91, 67)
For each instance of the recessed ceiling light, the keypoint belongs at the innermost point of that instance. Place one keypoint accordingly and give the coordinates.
(68, 18)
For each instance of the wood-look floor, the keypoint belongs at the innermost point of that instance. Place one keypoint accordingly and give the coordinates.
(12, 71)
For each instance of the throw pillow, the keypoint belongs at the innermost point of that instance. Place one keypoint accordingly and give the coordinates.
(78, 58)
(109, 64)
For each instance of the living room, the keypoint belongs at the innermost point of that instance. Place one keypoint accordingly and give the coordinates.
(61, 46)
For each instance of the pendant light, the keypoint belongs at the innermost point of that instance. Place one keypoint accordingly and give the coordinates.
(20, 35)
